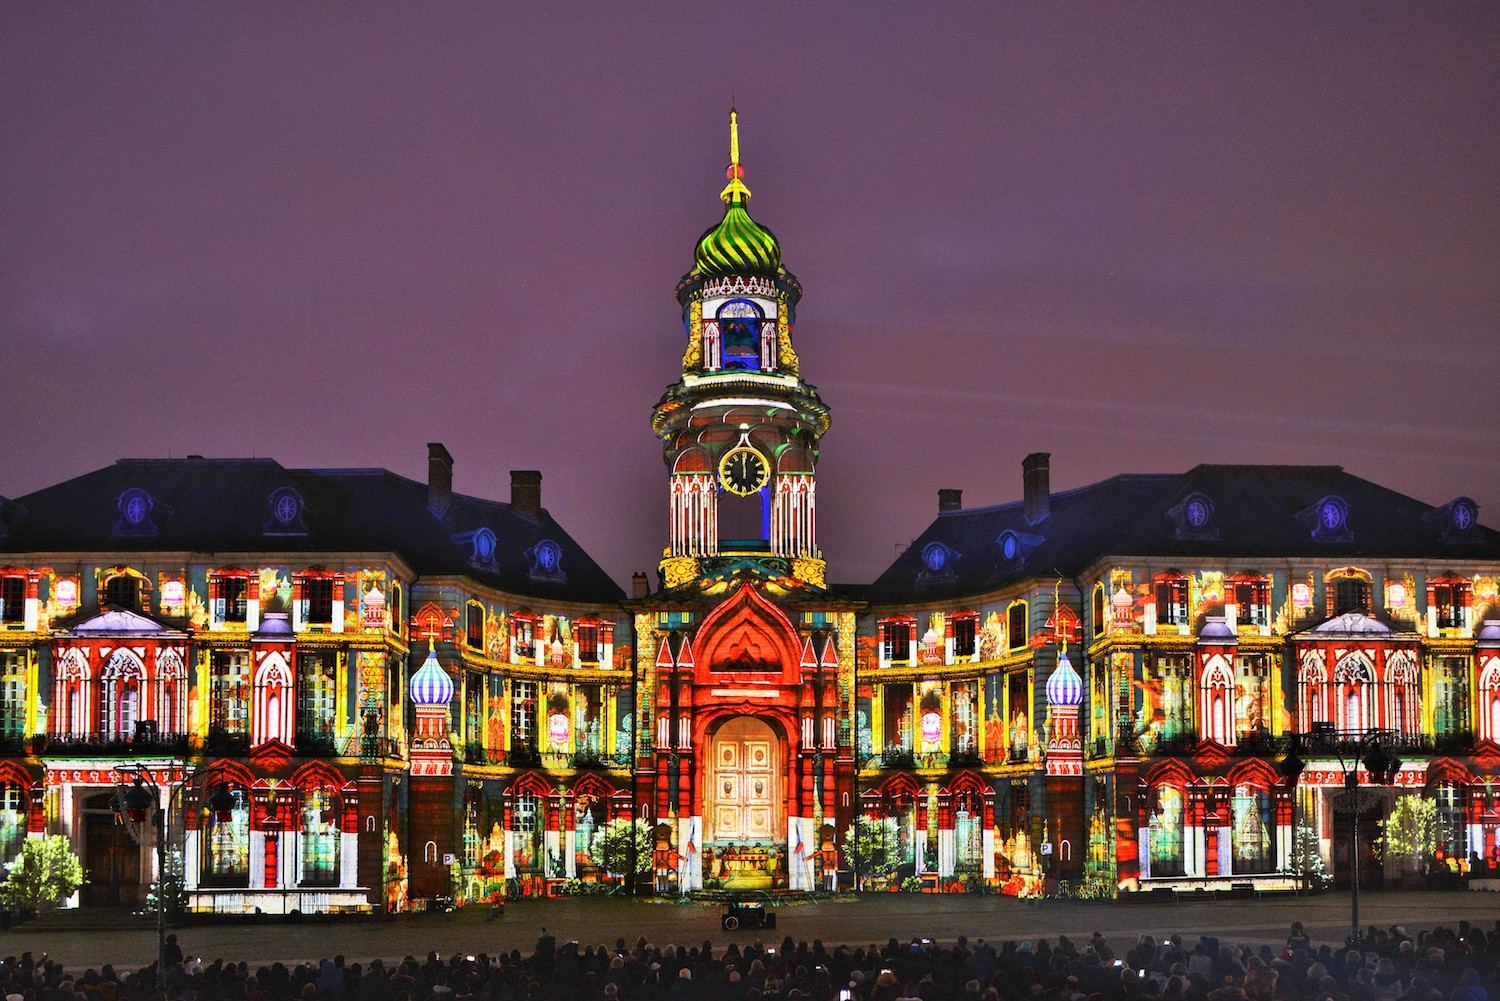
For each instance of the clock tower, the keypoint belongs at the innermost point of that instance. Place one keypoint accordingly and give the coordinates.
(740, 429)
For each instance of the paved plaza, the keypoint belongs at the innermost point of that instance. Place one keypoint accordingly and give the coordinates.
(79, 939)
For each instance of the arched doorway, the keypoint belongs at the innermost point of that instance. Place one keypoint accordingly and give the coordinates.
(745, 808)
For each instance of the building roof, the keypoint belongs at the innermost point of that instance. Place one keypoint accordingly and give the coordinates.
(1251, 513)
(259, 506)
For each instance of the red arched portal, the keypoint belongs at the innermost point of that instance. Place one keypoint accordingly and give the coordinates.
(747, 639)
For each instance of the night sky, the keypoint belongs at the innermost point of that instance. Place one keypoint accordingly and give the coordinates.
(1137, 236)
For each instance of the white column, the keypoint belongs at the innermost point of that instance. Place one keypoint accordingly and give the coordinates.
(989, 853)
(257, 860)
(348, 859)
(947, 853)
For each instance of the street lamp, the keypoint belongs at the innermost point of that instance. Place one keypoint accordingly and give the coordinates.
(1382, 764)
(143, 797)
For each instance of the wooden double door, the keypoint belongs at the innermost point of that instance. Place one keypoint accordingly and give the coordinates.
(745, 801)
(111, 859)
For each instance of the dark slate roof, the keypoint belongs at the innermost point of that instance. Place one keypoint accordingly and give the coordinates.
(224, 505)
(1258, 511)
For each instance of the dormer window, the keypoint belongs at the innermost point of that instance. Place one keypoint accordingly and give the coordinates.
(1329, 520)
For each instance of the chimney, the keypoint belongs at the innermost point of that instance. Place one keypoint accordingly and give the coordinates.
(1036, 481)
(950, 500)
(439, 479)
(526, 493)
(639, 588)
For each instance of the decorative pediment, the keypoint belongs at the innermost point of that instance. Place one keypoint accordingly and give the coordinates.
(122, 622)
(747, 634)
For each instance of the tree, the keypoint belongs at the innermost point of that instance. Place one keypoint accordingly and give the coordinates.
(612, 850)
(170, 886)
(46, 872)
(1411, 830)
(864, 845)
(1307, 860)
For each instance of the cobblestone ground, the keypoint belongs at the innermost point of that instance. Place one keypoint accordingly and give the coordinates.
(82, 938)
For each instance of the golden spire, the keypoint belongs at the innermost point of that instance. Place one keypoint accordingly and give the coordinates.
(735, 190)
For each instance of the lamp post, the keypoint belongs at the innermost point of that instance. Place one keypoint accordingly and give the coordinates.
(1382, 764)
(143, 797)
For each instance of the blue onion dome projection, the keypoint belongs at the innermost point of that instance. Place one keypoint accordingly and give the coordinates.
(738, 245)
(1065, 687)
(431, 686)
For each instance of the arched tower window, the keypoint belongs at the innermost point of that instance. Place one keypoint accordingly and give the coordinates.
(739, 332)
(120, 695)
(1353, 679)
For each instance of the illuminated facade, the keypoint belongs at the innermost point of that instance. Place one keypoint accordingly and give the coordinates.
(411, 693)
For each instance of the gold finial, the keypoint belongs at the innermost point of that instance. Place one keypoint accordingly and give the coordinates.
(735, 190)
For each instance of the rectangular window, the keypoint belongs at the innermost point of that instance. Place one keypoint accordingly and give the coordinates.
(1350, 594)
(964, 635)
(1252, 603)
(1449, 599)
(963, 727)
(588, 643)
(234, 591)
(229, 693)
(123, 591)
(12, 600)
(317, 695)
(474, 626)
(897, 701)
(1172, 601)
(12, 694)
(1450, 696)
(319, 593)
(523, 715)
(1017, 623)
(1252, 696)
(897, 642)
(1176, 675)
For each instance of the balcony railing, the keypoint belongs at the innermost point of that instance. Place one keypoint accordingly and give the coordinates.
(141, 742)
(316, 743)
(227, 742)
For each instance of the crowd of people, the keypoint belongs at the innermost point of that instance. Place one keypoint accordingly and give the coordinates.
(1440, 964)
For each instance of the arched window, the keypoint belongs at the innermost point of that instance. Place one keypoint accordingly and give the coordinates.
(1165, 832)
(171, 693)
(968, 832)
(739, 331)
(1489, 700)
(1312, 685)
(322, 813)
(1252, 834)
(1353, 678)
(1217, 696)
(1401, 677)
(120, 696)
(226, 844)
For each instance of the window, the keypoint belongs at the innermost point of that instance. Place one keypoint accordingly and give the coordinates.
(12, 695)
(474, 688)
(897, 700)
(1452, 822)
(226, 845)
(319, 597)
(739, 332)
(1165, 833)
(12, 601)
(1175, 714)
(317, 695)
(588, 719)
(1099, 605)
(229, 693)
(123, 591)
(1253, 823)
(587, 636)
(963, 726)
(1447, 598)
(1349, 593)
(523, 715)
(896, 640)
(1252, 697)
(530, 852)
(120, 696)
(12, 821)
(394, 604)
(474, 625)
(968, 833)
(1171, 601)
(1450, 695)
(321, 814)
(965, 635)
(1252, 601)
(228, 592)
(1016, 621)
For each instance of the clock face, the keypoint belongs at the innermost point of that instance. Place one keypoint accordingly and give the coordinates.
(743, 471)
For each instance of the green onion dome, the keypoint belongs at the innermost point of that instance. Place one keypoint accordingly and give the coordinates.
(738, 245)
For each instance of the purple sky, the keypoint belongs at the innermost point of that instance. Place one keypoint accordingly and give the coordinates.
(1137, 236)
